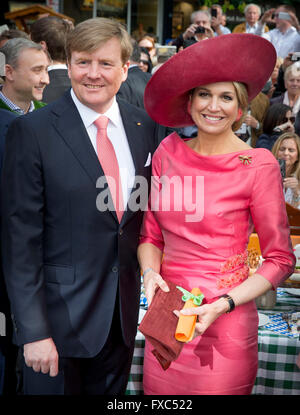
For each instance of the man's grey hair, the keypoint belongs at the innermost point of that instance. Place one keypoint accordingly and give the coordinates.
(193, 15)
(14, 47)
(252, 4)
(218, 7)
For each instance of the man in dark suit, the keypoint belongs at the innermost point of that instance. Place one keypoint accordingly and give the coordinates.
(8, 351)
(51, 33)
(133, 88)
(25, 76)
(70, 266)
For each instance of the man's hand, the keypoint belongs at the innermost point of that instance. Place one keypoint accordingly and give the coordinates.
(190, 31)
(294, 21)
(216, 22)
(42, 356)
(267, 17)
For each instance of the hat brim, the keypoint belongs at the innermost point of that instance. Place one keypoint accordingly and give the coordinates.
(238, 57)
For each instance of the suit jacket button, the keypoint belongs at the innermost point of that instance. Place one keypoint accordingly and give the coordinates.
(121, 232)
(114, 269)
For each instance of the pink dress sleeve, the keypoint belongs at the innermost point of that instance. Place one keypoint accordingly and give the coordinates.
(151, 232)
(270, 220)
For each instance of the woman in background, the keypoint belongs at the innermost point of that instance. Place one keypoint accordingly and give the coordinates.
(287, 148)
(148, 42)
(279, 119)
(145, 63)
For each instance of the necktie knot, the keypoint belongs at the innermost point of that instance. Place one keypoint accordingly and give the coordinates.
(101, 122)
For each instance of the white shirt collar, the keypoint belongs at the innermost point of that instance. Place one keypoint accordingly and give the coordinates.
(289, 30)
(251, 27)
(57, 66)
(89, 116)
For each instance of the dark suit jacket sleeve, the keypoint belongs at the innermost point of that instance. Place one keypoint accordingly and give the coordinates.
(6, 117)
(22, 232)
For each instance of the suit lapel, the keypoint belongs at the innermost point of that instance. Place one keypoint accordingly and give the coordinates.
(70, 127)
(134, 131)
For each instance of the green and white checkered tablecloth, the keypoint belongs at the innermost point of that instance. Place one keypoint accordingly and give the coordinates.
(277, 371)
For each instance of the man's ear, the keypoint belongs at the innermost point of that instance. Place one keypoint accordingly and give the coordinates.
(125, 70)
(9, 70)
(44, 45)
(68, 67)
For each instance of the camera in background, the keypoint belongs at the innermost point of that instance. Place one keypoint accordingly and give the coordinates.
(295, 57)
(200, 29)
(214, 12)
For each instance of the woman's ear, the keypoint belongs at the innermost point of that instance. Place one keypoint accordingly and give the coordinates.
(240, 113)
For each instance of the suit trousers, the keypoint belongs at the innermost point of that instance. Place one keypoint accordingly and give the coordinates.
(105, 374)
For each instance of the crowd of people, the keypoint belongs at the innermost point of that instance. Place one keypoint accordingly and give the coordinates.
(81, 103)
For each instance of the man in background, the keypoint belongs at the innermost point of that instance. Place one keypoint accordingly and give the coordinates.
(132, 90)
(26, 76)
(251, 25)
(11, 34)
(200, 18)
(217, 20)
(285, 37)
(51, 33)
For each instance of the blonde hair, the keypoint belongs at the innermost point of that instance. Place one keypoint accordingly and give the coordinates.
(243, 102)
(295, 171)
(91, 34)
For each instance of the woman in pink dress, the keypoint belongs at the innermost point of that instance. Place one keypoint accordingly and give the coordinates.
(208, 193)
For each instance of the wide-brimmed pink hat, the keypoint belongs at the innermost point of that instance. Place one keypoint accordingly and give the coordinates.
(239, 57)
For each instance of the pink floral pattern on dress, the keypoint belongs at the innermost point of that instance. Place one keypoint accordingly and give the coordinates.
(238, 263)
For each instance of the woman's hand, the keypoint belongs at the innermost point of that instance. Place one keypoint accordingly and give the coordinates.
(152, 281)
(251, 121)
(291, 182)
(286, 127)
(206, 313)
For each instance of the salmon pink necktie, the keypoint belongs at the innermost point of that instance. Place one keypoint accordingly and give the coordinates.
(109, 163)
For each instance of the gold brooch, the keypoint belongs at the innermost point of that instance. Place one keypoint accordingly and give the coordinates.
(245, 160)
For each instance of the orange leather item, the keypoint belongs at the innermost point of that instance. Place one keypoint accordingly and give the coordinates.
(186, 324)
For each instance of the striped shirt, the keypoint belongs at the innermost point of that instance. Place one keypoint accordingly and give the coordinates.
(13, 106)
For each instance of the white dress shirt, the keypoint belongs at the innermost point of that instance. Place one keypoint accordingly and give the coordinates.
(284, 43)
(256, 29)
(57, 66)
(117, 136)
(225, 30)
